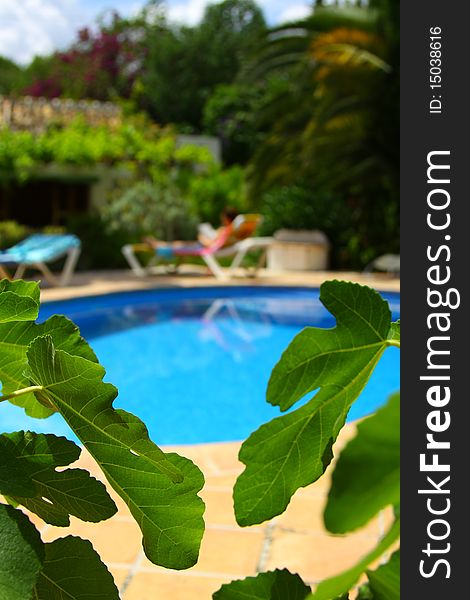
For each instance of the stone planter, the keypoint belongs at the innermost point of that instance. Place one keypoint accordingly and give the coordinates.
(298, 251)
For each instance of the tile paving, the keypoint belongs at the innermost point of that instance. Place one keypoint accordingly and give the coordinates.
(295, 540)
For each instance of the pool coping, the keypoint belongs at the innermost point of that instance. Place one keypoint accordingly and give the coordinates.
(98, 283)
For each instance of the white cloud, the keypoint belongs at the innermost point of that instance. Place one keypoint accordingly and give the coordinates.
(189, 12)
(33, 27)
(294, 12)
(38, 27)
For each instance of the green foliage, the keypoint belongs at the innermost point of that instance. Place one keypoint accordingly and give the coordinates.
(334, 124)
(332, 62)
(298, 207)
(339, 584)
(135, 144)
(294, 450)
(169, 206)
(101, 244)
(55, 370)
(119, 443)
(49, 368)
(306, 206)
(284, 455)
(273, 585)
(70, 566)
(65, 569)
(384, 582)
(15, 338)
(10, 76)
(21, 555)
(11, 233)
(16, 154)
(367, 476)
(29, 477)
(79, 144)
(169, 94)
(184, 64)
(212, 192)
(19, 301)
(152, 208)
(230, 114)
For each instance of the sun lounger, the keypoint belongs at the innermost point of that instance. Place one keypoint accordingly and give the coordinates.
(387, 263)
(39, 249)
(237, 244)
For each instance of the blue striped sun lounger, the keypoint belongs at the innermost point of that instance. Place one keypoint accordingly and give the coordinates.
(39, 249)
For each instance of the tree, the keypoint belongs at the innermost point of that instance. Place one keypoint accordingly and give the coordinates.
(229, 114)
(186, 64)
(11, 76)
(234, 28)
(335, 123)
(101, 65)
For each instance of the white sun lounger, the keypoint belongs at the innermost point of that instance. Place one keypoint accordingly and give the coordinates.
(209, 254)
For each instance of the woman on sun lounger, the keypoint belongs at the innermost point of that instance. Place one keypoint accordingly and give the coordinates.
(233, 238)
(207, 238)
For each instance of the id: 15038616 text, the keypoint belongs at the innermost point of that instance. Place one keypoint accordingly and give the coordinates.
(435, 70)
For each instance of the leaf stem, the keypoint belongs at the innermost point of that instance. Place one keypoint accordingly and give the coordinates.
(22, 392)
(395, 343)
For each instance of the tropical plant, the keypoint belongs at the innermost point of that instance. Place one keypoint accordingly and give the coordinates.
(335, 122)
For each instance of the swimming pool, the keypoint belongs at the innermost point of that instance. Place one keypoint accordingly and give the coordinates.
(193, 364)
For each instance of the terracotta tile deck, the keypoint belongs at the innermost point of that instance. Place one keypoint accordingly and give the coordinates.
(295, 540)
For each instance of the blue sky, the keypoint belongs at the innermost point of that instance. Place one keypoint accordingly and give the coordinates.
(30, 27)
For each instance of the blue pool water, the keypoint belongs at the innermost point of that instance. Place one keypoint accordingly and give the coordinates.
(194, 364)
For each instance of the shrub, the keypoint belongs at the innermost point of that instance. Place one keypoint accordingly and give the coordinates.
(101, 246)
(355, 240)
(136, 144)
(229, 113)
(298, 207)
(11, 233)
(211, 193)
(151, 208)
